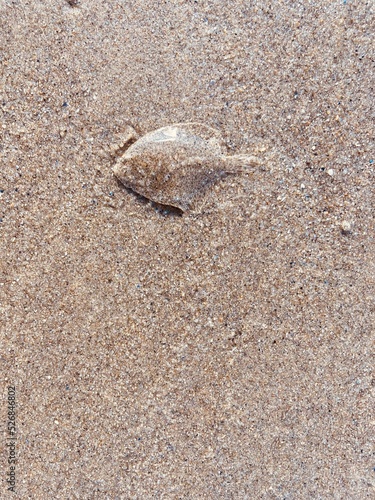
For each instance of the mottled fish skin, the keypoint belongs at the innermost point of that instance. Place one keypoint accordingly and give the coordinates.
(173, 165)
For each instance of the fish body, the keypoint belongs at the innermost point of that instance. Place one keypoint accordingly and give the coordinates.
(175, 164)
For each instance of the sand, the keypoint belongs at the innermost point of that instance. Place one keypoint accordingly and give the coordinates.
(223, 354)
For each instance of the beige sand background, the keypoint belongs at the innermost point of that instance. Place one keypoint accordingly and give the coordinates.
(225, 354)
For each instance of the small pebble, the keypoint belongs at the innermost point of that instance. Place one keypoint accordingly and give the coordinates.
(346, 226)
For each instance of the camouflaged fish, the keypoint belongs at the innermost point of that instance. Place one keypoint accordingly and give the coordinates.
(173, 165)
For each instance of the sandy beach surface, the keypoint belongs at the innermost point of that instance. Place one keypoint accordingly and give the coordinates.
(226, 353)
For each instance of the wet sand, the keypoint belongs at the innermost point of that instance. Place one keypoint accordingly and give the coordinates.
(223, 354)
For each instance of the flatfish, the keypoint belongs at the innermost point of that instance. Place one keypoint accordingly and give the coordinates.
(176, 164)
